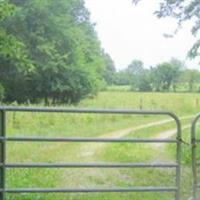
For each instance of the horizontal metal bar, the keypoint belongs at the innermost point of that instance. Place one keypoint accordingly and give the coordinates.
(80, 110)
(64, 139)
(91, 165)
(102, 190)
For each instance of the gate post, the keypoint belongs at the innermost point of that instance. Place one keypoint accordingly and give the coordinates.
(2, 153)
(178, 157)
(194, 141)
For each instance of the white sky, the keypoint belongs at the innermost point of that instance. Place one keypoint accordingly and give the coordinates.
(130, 32)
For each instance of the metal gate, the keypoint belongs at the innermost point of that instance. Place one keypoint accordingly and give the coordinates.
(4, 165)
(195, 140)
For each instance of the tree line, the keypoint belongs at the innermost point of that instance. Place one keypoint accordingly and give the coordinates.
(164, 77)
(49, 50)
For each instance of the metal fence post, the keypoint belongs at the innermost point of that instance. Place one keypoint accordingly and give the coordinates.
(178, 156)
(194, 157)
(2, 153)
(178, 159)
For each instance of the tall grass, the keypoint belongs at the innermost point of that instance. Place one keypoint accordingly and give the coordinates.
(94, 125)
(179, 103)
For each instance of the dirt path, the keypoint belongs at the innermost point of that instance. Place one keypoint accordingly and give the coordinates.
(87, 151)
(166, 135)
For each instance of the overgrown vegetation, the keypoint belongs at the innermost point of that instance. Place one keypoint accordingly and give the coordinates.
(93, 125)
(49, 50)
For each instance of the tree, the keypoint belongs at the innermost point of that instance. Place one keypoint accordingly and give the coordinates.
(14, 61)
(109, 71)
(1, 92)
(134, 73)
(164, 75)
(144, 82)
(122, 78)
(51, 51)
(178, 66)
(139, 78)
(190, 77)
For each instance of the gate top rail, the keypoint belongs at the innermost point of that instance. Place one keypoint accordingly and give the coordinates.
(89, 110)
(83, 110)
(95, 111)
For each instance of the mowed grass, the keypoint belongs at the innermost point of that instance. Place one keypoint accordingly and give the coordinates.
(94, 125)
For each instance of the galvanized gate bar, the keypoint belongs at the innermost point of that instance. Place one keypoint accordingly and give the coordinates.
(94, 190)
(64, 139)
(195, 163)
(2, 154)
(90, 165)
(79, 110)
(4, 165)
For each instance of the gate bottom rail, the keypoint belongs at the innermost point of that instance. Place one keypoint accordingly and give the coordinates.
(96, 190)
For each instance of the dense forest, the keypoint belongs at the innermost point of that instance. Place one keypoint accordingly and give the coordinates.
(49, 50)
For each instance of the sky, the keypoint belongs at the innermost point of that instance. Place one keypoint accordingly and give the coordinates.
(129, 32)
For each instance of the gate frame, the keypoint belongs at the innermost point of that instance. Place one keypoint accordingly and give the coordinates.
(194, 142)
(4, 140)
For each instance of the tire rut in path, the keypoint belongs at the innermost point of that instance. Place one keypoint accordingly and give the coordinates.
(86, 151)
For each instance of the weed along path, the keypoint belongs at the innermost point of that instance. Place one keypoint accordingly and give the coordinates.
(167, 134)
(87, 151)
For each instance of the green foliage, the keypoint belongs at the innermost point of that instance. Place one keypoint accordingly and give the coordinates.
(1, 92)
(144, 83)
(51, 51)
(109, 71)
(134, 75)
(135, 71)
(139, 77)
(6, 9)
(191, 77)
(164, 75)
(122, 78)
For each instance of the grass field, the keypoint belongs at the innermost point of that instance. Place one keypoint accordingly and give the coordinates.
(180, 103)
(94, 125)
